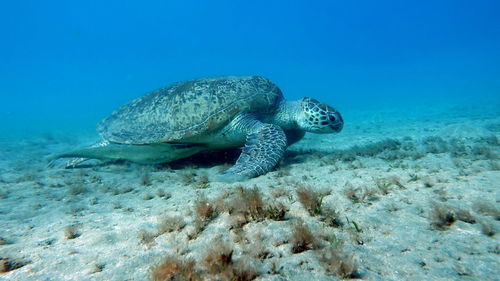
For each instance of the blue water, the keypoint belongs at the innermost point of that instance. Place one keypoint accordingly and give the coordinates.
(67, 64)
(417, 83)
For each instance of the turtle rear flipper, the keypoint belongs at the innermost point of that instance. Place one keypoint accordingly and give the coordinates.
(144, 154)
(263, 150)
(77, 159)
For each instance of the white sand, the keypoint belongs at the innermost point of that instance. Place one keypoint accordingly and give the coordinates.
(438, 156)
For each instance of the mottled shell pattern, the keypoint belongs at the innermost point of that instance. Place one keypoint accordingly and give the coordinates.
(190, 109)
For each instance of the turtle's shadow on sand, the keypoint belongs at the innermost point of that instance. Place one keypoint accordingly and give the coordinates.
(209, 159)
(204, 159)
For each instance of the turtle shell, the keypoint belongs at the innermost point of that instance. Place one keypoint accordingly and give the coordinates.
(188, 110)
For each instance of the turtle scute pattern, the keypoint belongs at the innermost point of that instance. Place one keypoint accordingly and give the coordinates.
(186, 110)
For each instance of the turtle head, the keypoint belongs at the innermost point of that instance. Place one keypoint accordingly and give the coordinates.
(317, 117)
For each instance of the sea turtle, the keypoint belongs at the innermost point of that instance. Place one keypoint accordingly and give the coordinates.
(188, 117)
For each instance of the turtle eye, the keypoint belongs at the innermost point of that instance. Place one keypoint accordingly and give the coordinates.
(332, 118)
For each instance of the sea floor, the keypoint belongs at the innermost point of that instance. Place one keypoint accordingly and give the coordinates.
(395, 196)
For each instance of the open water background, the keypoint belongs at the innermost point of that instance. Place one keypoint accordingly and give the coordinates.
(64, 65)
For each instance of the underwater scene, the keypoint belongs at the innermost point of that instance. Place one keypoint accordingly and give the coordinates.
(249, 140)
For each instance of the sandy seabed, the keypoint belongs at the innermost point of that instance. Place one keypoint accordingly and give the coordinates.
(395, 196)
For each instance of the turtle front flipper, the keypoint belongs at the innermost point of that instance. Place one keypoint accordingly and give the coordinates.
(264, 148)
